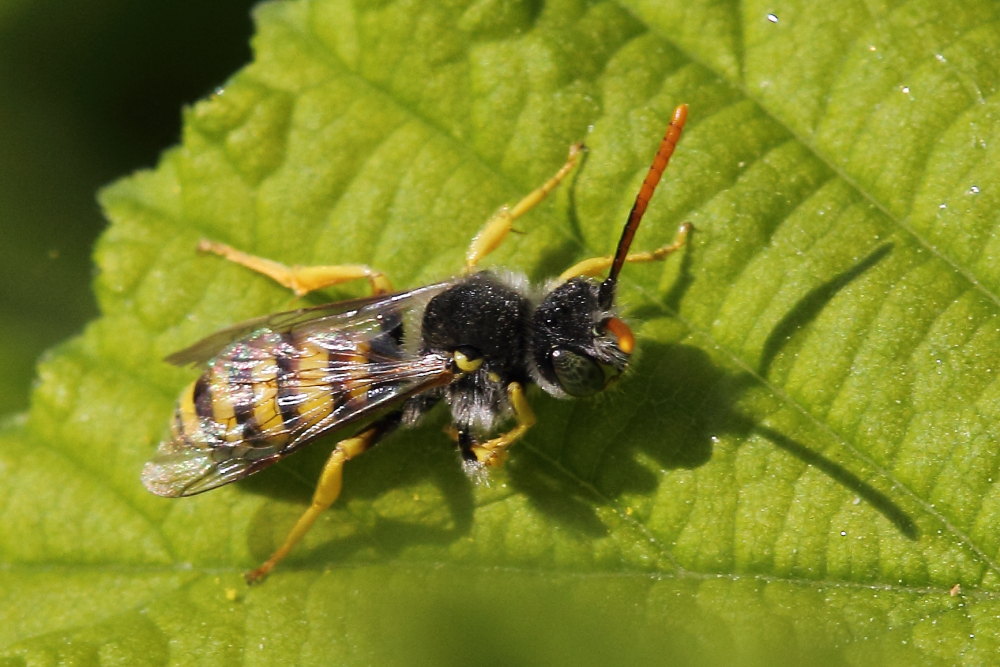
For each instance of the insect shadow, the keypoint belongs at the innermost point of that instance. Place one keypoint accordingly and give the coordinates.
(587, 454)
(688, 404)
(810, 305)
(677, 404)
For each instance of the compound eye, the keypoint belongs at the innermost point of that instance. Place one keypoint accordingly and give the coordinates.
(578, 375)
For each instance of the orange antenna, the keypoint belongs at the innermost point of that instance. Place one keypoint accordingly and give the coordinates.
(649, 184)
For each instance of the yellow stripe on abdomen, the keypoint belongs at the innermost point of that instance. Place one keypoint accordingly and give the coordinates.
(223, 412)
(314, 383)
(266, 415)
(186, 424)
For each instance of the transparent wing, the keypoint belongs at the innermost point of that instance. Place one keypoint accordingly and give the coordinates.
(339, 314)
(294, 377)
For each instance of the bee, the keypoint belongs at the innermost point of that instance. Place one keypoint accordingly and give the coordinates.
(362, 368)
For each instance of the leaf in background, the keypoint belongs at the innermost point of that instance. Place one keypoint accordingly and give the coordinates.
(801, 463)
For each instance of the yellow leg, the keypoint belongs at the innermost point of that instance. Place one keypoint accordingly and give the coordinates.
(596, 266)
(327, 490)
(493, 452)
(496, 228)
(301, 279)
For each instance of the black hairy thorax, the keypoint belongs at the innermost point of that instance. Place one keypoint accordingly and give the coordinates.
(498, 321)
(488, 318)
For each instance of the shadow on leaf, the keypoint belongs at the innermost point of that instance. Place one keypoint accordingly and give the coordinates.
(685, 403)
(810, 306)
(878, 500)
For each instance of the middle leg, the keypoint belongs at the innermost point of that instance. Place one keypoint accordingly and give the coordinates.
(301, 279)
(493, 452)
(327, 490)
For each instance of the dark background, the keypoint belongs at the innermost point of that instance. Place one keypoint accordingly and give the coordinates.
(90, 90)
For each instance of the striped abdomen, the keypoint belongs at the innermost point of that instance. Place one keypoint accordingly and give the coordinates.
(268, 394)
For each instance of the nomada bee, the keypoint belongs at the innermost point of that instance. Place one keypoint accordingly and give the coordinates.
(360, 369)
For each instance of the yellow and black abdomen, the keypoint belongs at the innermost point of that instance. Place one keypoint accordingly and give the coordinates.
(271, 392)
(255, 394)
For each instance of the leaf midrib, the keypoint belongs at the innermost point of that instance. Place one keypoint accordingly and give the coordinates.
(436, 565)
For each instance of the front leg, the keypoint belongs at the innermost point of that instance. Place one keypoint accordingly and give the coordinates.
(493, 452)
(597, 266)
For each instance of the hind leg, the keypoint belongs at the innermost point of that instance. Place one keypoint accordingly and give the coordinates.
(327, 491)
(301, 279)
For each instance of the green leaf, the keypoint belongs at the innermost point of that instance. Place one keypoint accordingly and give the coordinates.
(799, 466)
